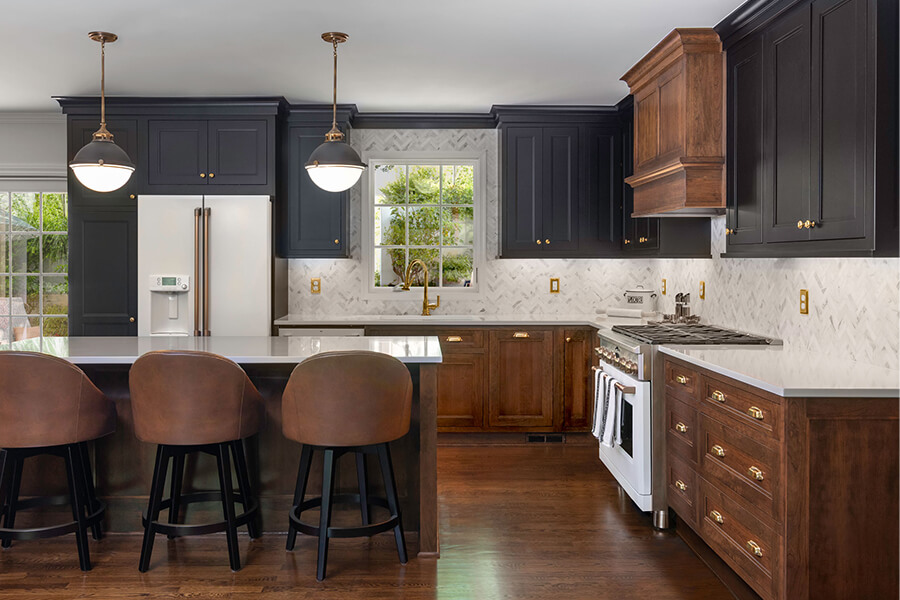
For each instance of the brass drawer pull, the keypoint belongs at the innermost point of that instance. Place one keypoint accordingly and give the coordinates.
(755, 473)
(521, 334)
(681, 379)
(717, 517)
(680, 485)
(755, 412)
(454, 338)
(718, 396)
(754, 548)
(681, 427)
(718, 450)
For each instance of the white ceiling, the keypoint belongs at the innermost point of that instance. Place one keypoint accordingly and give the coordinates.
(403, 55)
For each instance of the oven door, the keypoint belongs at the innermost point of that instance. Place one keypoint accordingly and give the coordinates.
(629, 462)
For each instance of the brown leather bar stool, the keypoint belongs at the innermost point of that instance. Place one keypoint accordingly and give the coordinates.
(49, 406)
(341, 402)
(188, 402)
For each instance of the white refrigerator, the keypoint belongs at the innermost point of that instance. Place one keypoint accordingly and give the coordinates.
(204, 265)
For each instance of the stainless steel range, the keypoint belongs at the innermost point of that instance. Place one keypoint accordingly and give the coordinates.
(629, 353)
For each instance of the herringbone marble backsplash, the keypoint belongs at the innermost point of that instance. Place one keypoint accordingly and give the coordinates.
(854, 303)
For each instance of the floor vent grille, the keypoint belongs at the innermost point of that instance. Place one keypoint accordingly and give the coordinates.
(550, 438)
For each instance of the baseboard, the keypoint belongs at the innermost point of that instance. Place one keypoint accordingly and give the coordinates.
(514, 439)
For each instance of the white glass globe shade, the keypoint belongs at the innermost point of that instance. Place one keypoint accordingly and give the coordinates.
(335, 178)
(102, 178)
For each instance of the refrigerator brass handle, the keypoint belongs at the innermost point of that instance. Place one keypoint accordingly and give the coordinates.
(521, 334)
(196, 271)
(206, 214)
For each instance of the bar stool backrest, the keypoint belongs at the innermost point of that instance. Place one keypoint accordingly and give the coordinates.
(48, 401)
(345, 399)
(184, 398)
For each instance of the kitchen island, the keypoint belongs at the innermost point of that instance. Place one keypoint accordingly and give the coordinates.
(123, 465)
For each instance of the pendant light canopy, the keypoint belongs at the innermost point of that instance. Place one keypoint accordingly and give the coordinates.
(334, 166)
(101, 165)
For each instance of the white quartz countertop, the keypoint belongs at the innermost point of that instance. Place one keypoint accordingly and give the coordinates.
(243, 350)
(793, 372)
(439, 320)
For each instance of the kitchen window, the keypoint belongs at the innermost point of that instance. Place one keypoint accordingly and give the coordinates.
(424, 210)
(34, 282)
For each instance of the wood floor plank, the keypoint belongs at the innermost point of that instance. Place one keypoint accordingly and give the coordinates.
(516, 522)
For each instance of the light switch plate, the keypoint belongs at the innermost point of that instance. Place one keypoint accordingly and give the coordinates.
(804, 302)
(702, 290)
(315, 285)
(664, 287)
(554, 285)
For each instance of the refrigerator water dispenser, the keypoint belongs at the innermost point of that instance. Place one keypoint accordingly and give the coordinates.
(169, 309)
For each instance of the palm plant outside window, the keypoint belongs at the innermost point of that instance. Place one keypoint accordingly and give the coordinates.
(426, 212)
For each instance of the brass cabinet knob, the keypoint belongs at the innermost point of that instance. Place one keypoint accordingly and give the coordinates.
(202, 175)
(718, 450)
(680, 485)
(337, 241)
(131, 319)
(754, 548)
(755, 412)
(681, 427)
(211, 175)
(539, 242)
(716, 516)
(681, 379)
(454, 338)
(729, 231)
(809, 224)
(718, 396)
(627, 242)
(521, 334)
(799, 224)
(642, 240)
(568, 339)
(131, 196)
(755, 473)
(547, 241)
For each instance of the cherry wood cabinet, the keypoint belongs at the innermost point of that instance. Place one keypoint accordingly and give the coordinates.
(521, 379)
(577, 383)
(795, 495)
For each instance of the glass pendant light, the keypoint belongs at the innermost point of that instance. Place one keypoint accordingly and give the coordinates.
(334, 166)
(101, 165)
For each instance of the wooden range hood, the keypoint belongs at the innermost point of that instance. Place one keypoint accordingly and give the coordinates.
(679, 127)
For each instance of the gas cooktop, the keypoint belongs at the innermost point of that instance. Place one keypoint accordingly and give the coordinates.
(672, 333)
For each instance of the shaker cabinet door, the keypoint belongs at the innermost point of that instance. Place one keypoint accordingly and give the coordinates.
(237, 152)
(521, 378)
(523, 189)
(177, 153)
(559, 225)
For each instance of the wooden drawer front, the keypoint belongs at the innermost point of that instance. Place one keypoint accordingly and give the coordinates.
(737, 469)
(756, 412)
(681, 380)
(458, 339)
(734, 534)
(681, 429)
(682, 482)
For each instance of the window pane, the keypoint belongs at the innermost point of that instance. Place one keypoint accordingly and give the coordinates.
(56, 326)
(457, 266)
(56, 295)
(424, 185)
(390, 226)
(4, 253)
(458, 224)
(4, 211)
(459, 184)
(25, 294)
(390, 184)
(424, 226)
(26, 211)
(55, 212)
(56, 253)
(430, 257)
(390, 266)
(26, 253)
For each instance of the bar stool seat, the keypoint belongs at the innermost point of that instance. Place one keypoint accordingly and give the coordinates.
(49, 406)
(340, 403)
(188, 402)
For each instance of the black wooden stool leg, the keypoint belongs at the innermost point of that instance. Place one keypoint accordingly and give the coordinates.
(325, 516)
(77, 493)
(13, 499)
(3, 499)
(299, 491)
(243, 475)
(363, 486)
(224, 463)
(93, 504)
(390, 487)
(175, 489)
(157, 488)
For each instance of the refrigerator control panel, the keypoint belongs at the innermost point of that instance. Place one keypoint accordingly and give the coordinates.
(169, 283)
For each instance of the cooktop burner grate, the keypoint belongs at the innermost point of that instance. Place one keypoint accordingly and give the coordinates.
(670, 333)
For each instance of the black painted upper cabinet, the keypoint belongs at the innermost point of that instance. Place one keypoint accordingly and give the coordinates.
(80, 133)
(199, 152)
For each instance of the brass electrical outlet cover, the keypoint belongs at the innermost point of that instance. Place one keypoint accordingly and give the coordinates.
(804, 302)
(315, 285)
(702, 290)
(664, 287)
(554, 285)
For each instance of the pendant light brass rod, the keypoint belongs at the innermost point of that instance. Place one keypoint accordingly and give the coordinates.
(103, 83)
(334, 89)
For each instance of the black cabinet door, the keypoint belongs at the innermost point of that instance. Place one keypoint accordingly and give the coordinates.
(601, 226)
(80, 133)
(237, 152)
(103, 269)
(839, 105)
(745, 168)
(560, 210)
(523, 188)
(787, 128)
(177, 152)
(313, 222)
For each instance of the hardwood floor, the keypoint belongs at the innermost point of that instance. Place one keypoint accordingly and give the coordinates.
(526, 522)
